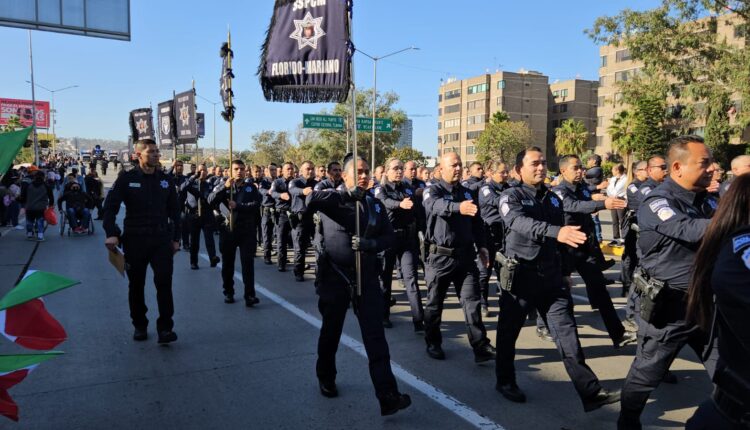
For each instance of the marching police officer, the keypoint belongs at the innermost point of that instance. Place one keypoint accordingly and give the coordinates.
(268, 212)
(240, 195)
(333, 180)
(179, 179)
(476, 177)
(397, 199)
(339, 282)
(630, 254)
(578, 207)
(657, 172)
(453, 231)
(280, 193)
(672, 219)
(151, 236)
(531, 277)
(301, 218)
(195, 193)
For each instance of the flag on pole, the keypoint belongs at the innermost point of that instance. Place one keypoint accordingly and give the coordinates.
(225, 81)
(31, 326)
(307, 54)
(14, 369)
(142, 124)
(35, 284)
(10, 143)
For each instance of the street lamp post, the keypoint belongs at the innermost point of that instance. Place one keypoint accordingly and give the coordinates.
(214, 105)
(375, 93)
(52, 110)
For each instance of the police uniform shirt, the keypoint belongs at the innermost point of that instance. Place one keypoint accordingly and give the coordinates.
(533, 218)
(489, 202)
(326, 184)
(631, 193)
(645, 189)
(392, 195)
(279, 187)
(577, 204)
(447, 226)
(247, 197)
(298, 198)
(672, 221)
(150, 200)
(724, 187)
(264, 187)
(473, 184)
(194, 190)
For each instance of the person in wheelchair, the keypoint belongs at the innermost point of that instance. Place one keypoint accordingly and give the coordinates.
(77, 207)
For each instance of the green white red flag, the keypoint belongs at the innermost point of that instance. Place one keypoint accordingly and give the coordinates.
(31, 326)
(35, 284)
(14, 369)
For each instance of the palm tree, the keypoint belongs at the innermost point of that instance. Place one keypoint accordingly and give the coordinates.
(621, 132)
(571, 137)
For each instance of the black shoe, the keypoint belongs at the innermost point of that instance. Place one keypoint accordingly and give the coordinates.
(328, 388)
(511, 392)
(387, 323)
(603, 397)
(214, 261)
(544, 334)
(393, 402)
(627, 338)
(267, 261)
(228, 298)
(139, 335)
(436, 352)
(392, 302)
(282, 268)
(485, 311)
(299, 277)
(167, 336)
(484, 353)
(418, 327)
(669, 378)
(194, 266)
(251, 301)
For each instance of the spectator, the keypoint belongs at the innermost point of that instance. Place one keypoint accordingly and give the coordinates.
(616, 188)
(77, 207)
(10, 200)
(36, 197)
(95, 190)
(594, 178)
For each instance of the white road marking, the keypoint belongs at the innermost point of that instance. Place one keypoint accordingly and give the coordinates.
(452, 404)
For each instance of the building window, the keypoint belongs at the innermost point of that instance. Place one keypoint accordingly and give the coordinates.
(440, 98)
(599, 141)
(555, 123)
(470, 150)
(564, 93)
(740, 30)
(453, 108)
(555, 94)
(700, 131)
(623, 55)
(501, 85)
(452, 123)
(602, 81)
(527, 84)
(440, 140)
(476, 119)
(452, 94)
(440, 125)
(600, 101)
(500, 100)
(476, 89)
(563, 107)
(452, 137)
(440, 111)
(438, 153)
(600, 121)
(622, 76)
(475, 104)
(555, 108)
(473, 134)
(618, 97)
(604, 61)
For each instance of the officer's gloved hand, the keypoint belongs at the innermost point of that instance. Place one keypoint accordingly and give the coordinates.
(357, 193)
(362, 244)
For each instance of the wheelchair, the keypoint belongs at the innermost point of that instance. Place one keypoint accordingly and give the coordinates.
(65, 225)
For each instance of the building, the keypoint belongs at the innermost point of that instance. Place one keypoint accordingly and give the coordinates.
(574, 99)
(465, 107)
(616, 65)
(405, 140)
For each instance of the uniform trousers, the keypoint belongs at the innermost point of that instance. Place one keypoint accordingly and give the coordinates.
(301, 239)
(405, 253)
(267, 229)
(283, 238)
(197, 225)
(242, 237)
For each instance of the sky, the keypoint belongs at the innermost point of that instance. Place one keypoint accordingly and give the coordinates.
(176, 41)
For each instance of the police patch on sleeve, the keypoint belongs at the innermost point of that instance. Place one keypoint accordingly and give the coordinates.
(467, 195)
(425, 195)
(586, 194)
(485, 191)
(554, 202)
(633, 188)
(248, 189)
(378, 190)
(164, 184)
(740, 242)
(504, 208)
(646, 190)
(746, 258)
(712, 202)
(665, 213)
(559, 194)
(661, 208)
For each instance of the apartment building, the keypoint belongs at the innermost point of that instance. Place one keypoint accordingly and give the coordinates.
(465, 107)
(574, 99)
(406, 137)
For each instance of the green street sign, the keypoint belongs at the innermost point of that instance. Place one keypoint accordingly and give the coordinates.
(382, 125)
(331, 122)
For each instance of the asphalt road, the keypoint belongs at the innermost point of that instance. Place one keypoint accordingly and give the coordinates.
(238, 367)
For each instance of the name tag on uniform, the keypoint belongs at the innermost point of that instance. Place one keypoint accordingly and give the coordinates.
(135, 185)
(448, 197)
(527, 202)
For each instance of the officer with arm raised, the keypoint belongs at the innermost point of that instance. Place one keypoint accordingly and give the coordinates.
(488, 197)
(531, 277)
(280, 193)
(195, 192)
(268, 212)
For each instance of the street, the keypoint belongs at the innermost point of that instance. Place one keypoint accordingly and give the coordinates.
(238, 367)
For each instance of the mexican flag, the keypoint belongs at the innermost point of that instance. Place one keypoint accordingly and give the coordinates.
(14, 369)
(35, 284)
(10, 144)
(31, 326)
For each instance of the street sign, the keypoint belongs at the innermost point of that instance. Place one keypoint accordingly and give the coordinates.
(330, 122)
(382, 125)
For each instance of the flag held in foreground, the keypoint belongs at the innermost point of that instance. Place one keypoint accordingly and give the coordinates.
(14, 369)
(31, 326)
(10, 143)
(34, 285)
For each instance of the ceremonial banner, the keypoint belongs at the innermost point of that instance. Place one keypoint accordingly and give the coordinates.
(141, 124)
(225, 81)
(184, 109)
(200, 120)
(307, 54)
(167, 127)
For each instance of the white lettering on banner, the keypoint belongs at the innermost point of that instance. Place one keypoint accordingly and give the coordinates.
(305, 4)
(311, 67)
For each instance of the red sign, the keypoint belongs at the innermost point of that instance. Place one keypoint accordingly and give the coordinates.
(22, 109)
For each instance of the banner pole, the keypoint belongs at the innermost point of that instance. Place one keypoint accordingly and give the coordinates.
(176, 138)
(355, 167)
(231, 120)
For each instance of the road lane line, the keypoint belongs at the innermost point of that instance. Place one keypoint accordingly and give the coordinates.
(463, 411)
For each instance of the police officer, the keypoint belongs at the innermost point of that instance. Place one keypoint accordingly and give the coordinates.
(417, 186)
(476, 177)
(280, 193)
(179, 180)
(531, 277)
(151, 236)
(722, 267)
(740, 165)
(336, 270)
(397, 199)
(301, 218)
(241, 196)
(629, 255)
(268, 212)
(672, 219)
(333, 180)
(488, 198)
(195, 192)
(453, 231)
(578, 207)
(657, 172)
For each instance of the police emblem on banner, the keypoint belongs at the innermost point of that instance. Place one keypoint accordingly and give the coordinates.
(141, 124)
(184, 108)
(166, 123)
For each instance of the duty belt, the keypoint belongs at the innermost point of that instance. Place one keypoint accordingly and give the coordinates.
(445, 251)
(147, 230)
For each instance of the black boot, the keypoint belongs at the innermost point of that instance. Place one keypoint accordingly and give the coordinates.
(393, 402)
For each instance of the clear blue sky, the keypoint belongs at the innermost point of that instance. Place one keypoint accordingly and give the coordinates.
(175, 41)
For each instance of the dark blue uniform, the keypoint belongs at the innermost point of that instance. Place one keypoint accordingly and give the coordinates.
(241, 235)
(199, 216)
(336, 271)
(283, 226)
(179, 181)
(268, 217)
(729, 405)
(578, 208)
(533, 218)
(405, 250)
(672, 221)
(629, 255)
(489, 210)
(152, 222)
(302, 223)
(452, 238)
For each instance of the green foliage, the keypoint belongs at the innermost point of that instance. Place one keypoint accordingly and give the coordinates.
(502, 140)
(571, 137)
(14, 123)
(607, 167)
(500, 116)
(648, 132)
(408, 154)
(184, 158)
(718, 129)
(268, 147)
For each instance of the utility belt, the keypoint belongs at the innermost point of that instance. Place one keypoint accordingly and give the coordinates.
(651, 293)
(159, 230)
(448, 252)
(732, 396)
(267, 211)
(408, 232)
(507, 270)
(295, 219)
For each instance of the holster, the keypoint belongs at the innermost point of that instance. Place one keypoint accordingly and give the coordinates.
(649, 290)
(507, 271)
(294, 219)
(423, 245)
(443, 250)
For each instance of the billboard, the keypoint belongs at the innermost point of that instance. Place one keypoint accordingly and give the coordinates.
(22, 109)
(97, 18)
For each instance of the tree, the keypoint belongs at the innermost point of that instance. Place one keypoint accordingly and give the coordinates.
(408, 154)
(621, 131)
(502, 139)
(649, 136)
(571, 137)
(269, 147)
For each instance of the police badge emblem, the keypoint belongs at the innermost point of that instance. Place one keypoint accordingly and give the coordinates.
(555, 202)
(164, 184)
(467, 195)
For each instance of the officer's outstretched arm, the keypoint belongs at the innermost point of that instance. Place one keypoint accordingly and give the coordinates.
(217, 196)
(514, 217)
(657, 215)
(324, 201)
(434, 203)
(573, 205)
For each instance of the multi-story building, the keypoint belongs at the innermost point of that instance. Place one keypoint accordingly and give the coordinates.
(466, 106)
(574, 99)
(405, 139)
(616, 65)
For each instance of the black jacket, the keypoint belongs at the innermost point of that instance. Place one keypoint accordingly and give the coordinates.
(247, 197)
(445, 225)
